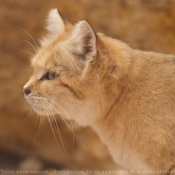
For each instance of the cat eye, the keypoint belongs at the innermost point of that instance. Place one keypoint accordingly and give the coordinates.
(50, 75)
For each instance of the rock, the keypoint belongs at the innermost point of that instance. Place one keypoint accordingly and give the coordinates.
(31, 163)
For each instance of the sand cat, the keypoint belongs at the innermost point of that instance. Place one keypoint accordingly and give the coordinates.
(127, 96)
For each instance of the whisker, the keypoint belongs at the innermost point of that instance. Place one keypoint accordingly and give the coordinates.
(29, 36)
(36, 122)
(18, 92)
(31, 45)
(42, 121)
(68, 119)
(21, 102)
(49, 120)
(38, 129)
(25, 105)
(63, 120)
(63, 111)
(68, 126)
(58, 132)
(25, 52)
(66, 115)
(26, 117)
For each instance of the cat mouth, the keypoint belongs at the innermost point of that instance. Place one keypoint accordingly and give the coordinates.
(40, 105)
(42, 110)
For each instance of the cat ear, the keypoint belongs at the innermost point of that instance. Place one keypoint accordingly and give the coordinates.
(85, 40)
(55, 23)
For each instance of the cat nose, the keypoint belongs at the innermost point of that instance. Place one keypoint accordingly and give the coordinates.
(27, 91)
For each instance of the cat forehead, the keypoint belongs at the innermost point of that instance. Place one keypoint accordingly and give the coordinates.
(40, 65)
(44, 55)
(56, 51)
(50, 56)
(40, 60)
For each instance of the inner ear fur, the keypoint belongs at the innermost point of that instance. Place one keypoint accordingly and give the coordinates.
(84, 39)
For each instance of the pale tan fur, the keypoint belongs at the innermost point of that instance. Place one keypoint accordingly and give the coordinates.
(126, 95)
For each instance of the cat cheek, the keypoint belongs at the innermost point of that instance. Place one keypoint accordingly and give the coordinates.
(46, 89)
(42, 85)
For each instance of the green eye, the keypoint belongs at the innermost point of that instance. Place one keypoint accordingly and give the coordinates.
(51, 75)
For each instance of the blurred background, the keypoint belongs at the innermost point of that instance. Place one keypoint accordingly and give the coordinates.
(143, 24)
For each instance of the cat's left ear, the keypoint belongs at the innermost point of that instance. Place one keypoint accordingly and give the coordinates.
(55, 23)
(55, 26)
(84, 39)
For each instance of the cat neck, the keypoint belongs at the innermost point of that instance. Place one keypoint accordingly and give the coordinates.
(110, 127)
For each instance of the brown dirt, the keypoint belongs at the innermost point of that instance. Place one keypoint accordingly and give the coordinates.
(144, 24)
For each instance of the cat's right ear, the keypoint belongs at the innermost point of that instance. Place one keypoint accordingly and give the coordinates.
(84, 39)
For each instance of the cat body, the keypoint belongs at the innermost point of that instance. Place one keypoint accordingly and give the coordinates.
(140, 126)
(127, 96)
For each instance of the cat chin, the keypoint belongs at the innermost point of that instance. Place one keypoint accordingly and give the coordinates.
(43, 111)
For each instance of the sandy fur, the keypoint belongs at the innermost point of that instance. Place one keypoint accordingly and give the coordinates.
(126, 95)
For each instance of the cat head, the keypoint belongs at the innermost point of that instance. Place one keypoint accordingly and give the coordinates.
(72, 75)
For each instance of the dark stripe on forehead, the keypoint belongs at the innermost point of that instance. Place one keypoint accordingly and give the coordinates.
(79, 55)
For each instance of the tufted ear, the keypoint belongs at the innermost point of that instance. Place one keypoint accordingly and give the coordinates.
(55, 24)
(84, 39)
